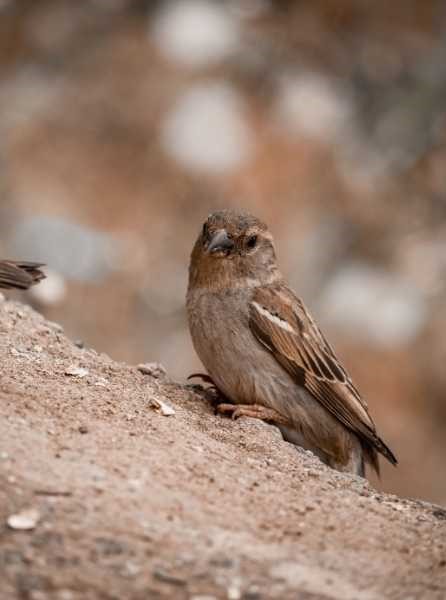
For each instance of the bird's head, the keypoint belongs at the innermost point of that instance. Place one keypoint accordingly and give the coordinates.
(233, 248)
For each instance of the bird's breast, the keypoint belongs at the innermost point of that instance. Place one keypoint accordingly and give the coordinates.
(241, 368)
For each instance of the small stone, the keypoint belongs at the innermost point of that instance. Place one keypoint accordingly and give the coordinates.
(161, 407)
(135, 484)
(153, 369)
(165, 577)
(253, 593)
(24, 520)
(233, 592)
(83, 429)
(75, 371)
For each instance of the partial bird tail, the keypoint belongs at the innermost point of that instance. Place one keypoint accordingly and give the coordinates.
(386, 451)
(371, 450)
(20, 274)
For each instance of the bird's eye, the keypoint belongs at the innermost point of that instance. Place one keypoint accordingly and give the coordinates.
(251, 242)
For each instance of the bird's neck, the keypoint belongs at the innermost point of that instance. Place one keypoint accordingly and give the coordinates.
(215, 280)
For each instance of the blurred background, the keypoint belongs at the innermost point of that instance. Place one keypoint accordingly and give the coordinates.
(123, 123)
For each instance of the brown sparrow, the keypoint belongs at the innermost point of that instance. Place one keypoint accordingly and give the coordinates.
(19, 274)
(263, 351)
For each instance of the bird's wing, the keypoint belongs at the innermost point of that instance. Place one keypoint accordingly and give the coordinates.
(16, 274)
(280, 321)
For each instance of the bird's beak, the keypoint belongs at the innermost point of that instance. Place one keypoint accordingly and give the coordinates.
(220, 242)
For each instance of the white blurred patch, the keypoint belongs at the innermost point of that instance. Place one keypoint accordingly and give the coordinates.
(50, 291)
(205, 131)
(313, 106)
(195, 32)
(374, 305)
(363, 167)
(75, 251)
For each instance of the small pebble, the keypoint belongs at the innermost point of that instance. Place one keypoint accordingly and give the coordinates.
(165, 577)
(153, 369)
(75, 371)
(24, 520)
(161, 407)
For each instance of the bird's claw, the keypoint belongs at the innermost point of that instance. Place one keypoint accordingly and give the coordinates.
(231, 409)
(255, 411)
(204, 377)
(212, 393)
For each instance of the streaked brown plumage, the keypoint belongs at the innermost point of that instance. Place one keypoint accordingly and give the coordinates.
(265, 353)
(19, 274)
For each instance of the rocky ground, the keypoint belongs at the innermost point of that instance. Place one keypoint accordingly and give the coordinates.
(124, 123)
(104, 496)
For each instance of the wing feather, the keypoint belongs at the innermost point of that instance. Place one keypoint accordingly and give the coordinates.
(22, 275)
(280, 321)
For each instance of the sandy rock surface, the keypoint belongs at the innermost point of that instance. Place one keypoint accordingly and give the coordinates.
(128, 502)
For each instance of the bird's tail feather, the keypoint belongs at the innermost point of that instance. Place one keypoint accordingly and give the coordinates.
(20, 274)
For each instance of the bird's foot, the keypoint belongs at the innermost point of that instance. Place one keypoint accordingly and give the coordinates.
(256, 411)
(211, 393)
